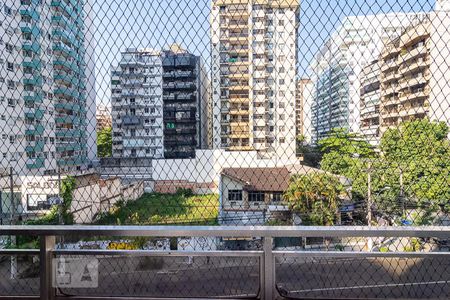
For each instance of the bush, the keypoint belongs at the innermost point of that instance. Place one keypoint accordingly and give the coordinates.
(185, 192)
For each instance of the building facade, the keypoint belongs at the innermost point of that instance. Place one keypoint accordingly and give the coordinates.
(159, 104)
(254, 51)
(137, 104)
(303, 102)
(185, 104)
(45, 105)
(370, 102)
(414, 74)
(103, 116)
(336, 70)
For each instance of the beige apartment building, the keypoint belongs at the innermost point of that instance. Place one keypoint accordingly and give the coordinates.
(254, 50)
(415, 77)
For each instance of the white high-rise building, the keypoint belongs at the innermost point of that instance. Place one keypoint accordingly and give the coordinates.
(254, 58)
(336, 70)
(137, 104)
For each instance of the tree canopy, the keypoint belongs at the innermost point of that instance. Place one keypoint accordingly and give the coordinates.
(316, 197)
(104, 142)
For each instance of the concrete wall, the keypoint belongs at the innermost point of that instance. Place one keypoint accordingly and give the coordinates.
(99, 197)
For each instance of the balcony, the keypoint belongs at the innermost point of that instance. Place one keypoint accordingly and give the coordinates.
(413, 66)
(35, 163)
(34, 130)
(413, 53)
(37, 146)
(34, 113)
(418, 94)
(131, 121)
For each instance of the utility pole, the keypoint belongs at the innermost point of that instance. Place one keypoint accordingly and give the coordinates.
(12, 222)
(60, 210)
(369, 203)
(402, 199)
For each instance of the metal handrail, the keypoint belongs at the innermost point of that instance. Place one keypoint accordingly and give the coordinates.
(228, 231)
(266, 256)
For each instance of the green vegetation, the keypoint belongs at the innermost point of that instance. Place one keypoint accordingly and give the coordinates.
(346, 154)
(311, 154)
(104, 142)
(152, 209)
(316, 197)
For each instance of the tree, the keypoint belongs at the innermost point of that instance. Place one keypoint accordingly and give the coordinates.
(348, 154)
(104, 142)
(311, 154)
(316, 197)
(419, 151)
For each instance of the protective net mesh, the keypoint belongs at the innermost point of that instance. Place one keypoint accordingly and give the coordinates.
(229, 112)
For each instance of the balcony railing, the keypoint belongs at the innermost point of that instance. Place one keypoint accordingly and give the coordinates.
(362, 265)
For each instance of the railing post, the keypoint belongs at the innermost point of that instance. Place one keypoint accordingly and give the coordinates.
(268, 289)
(47, 244)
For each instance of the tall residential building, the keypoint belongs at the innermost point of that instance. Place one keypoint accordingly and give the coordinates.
(45, 104)
(137, 104)
(185, 104)
(303, 101)
(415, 76)
(337, 68)
(370, 102)
(254, 56)
(159, 104)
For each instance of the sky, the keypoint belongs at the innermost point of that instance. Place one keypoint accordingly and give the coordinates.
(119, 24)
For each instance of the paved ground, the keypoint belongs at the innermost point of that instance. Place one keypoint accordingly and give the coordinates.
(297, 278)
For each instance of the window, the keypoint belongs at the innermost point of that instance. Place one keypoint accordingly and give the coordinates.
(10, 66)
(235, 195)
(280, 22)
(11, 102)
(8, 10)
(277, 197)
(256, 196)
(9, 48)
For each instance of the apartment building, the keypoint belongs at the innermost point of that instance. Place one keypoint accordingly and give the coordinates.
(303, 102)
(336, 69)
(370, 102)
(254, 54)
(414, 74)
(185, 104)
(103, 116)
(44, 101)
(137, 104)
(159, 104)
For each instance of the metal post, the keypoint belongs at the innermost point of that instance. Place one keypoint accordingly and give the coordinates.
(13, 273)
(268, 289)
(47, 244)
